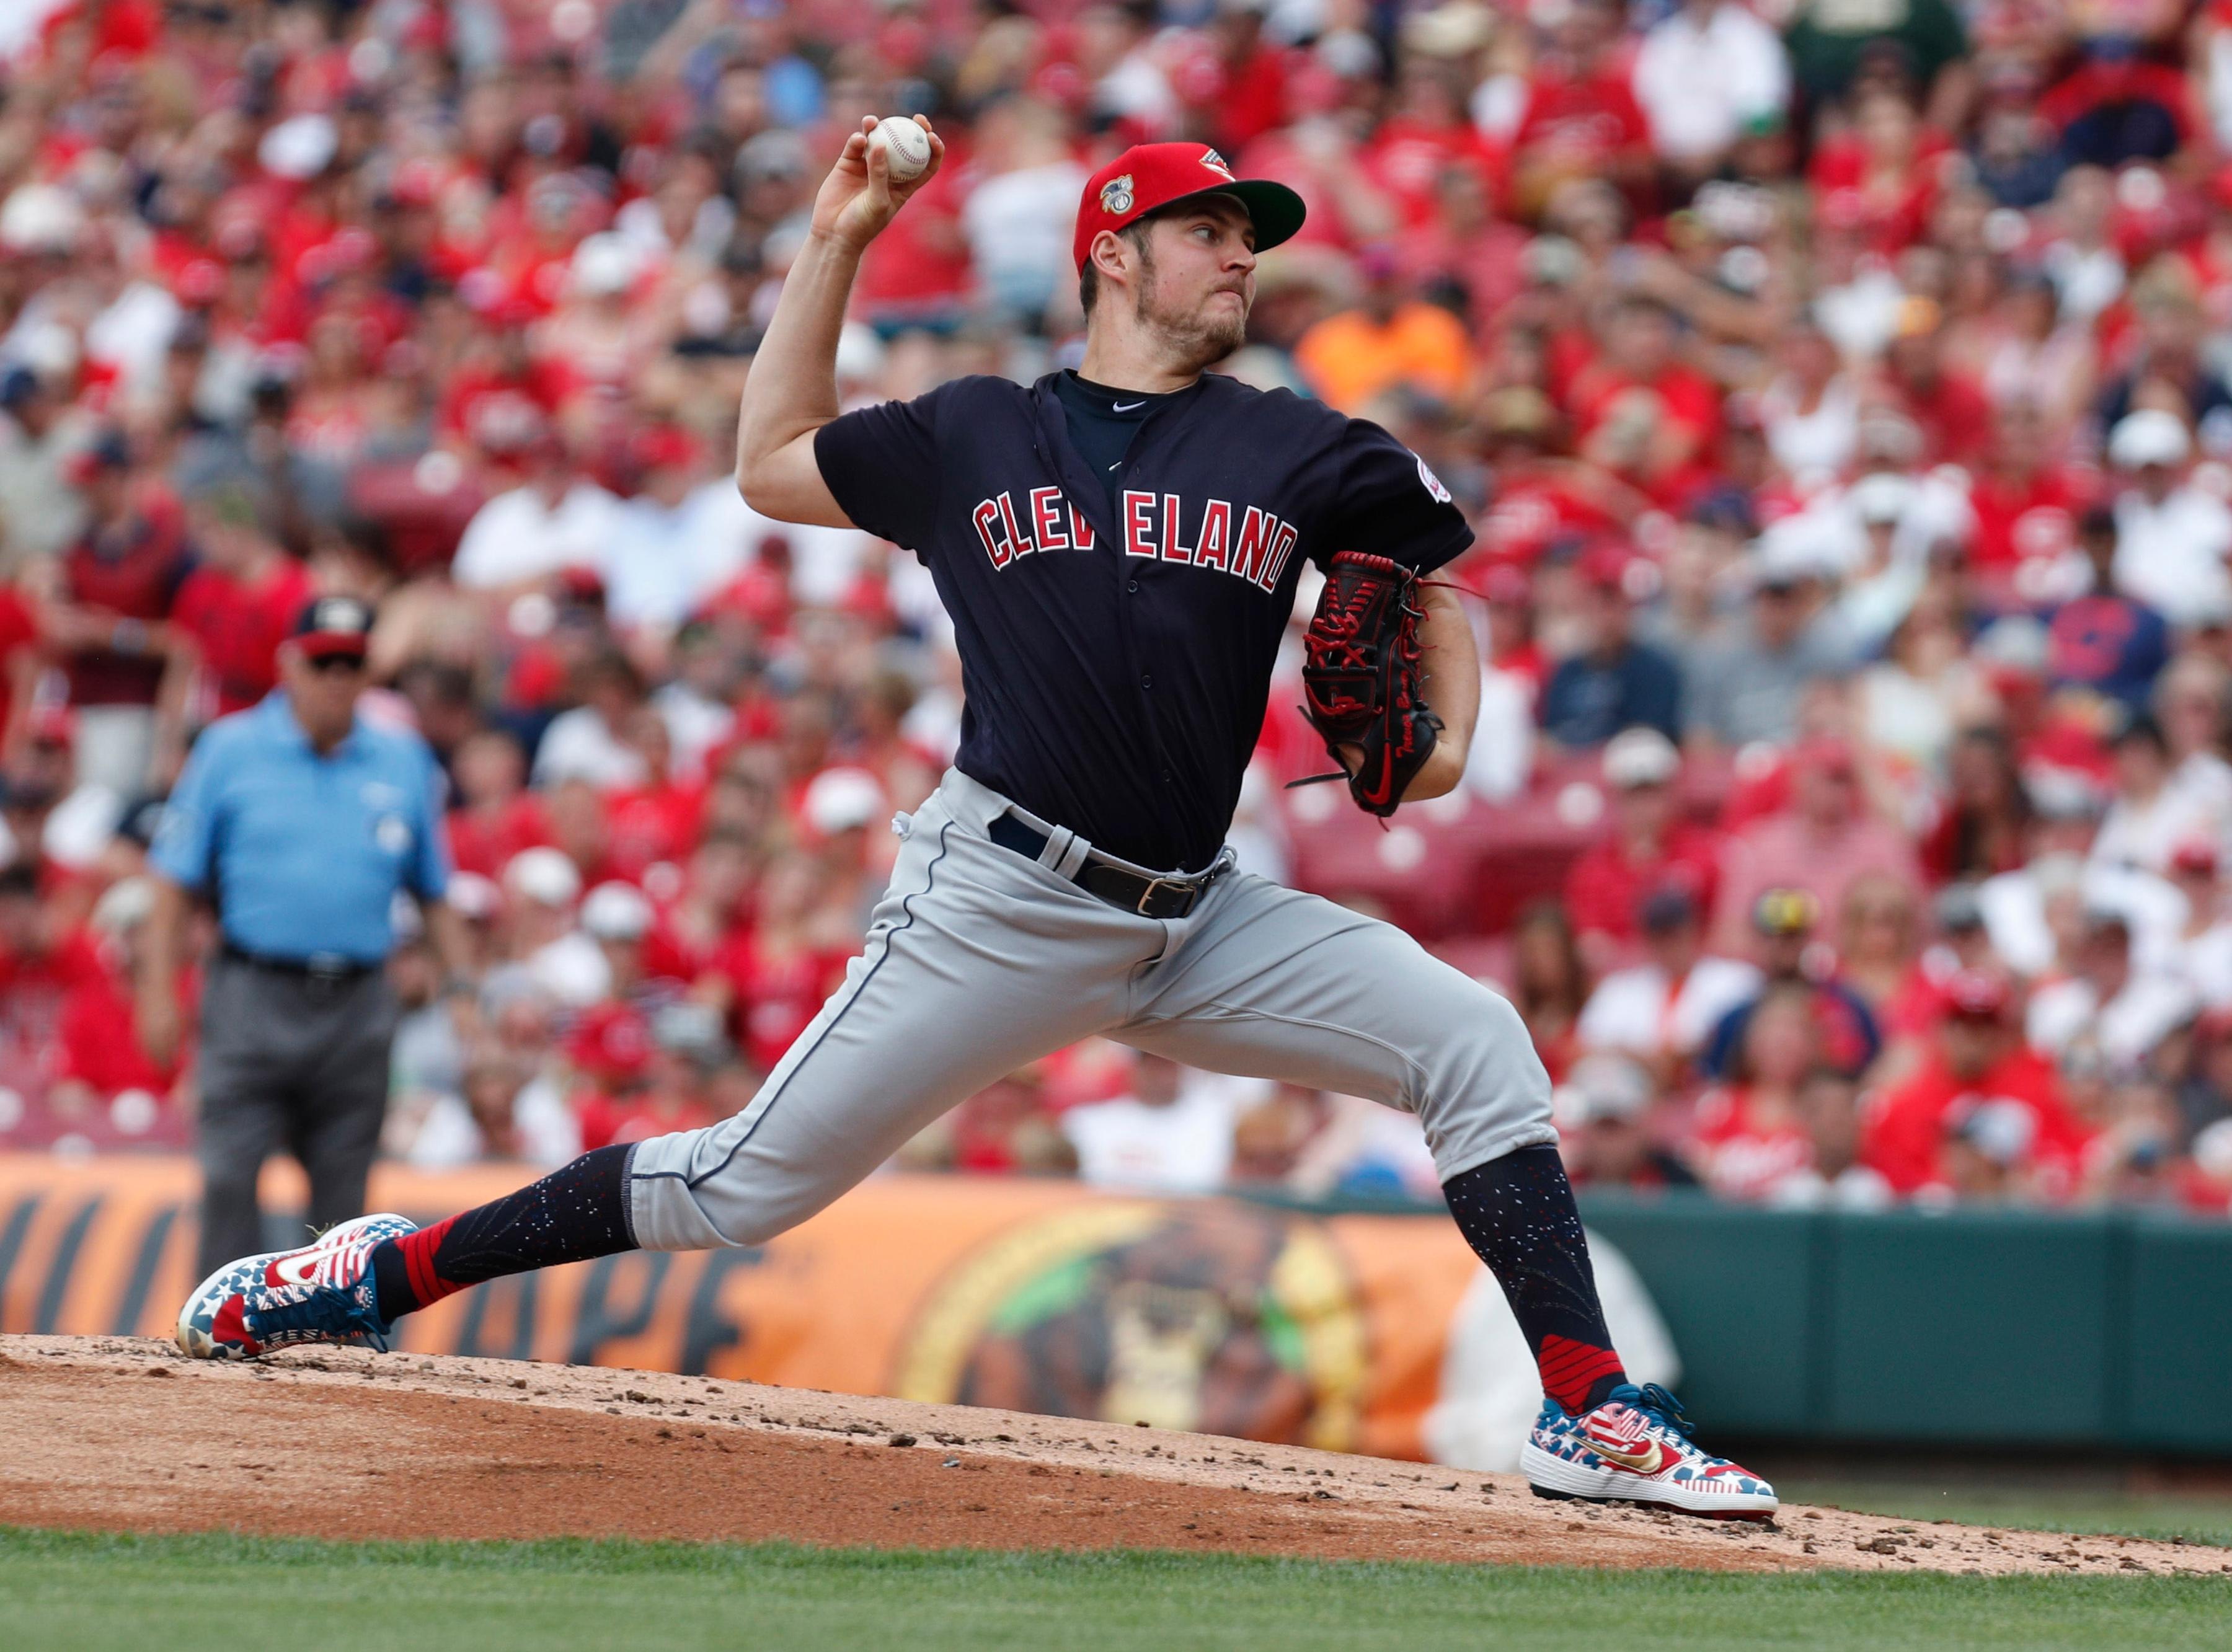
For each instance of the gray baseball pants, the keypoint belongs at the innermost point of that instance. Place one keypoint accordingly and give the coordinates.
(978, 961)
(288, 1062)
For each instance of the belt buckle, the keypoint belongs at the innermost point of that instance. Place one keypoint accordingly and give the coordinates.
(1154, 883)
(326, 971)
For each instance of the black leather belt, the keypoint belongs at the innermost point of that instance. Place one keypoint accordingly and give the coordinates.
(1127, 891)
(335, 969)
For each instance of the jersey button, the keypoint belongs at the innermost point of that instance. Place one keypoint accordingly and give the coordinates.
(1170, 778)
(1146, 681)
(1133, 585)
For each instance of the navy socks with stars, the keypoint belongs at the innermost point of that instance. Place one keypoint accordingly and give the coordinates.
(1518, 1215)
(575, 1213)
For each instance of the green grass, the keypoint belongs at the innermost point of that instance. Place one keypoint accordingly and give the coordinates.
(2197, 1519)
(66, 1590)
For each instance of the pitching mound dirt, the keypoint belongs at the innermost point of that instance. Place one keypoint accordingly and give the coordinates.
(124, 1434)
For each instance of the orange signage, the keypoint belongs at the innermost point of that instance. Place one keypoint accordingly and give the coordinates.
(1213, 1314)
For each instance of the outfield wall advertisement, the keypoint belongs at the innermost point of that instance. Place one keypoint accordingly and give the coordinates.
(1213, 1314)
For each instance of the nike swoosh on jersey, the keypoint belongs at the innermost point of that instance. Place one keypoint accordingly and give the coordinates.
(1125, 407)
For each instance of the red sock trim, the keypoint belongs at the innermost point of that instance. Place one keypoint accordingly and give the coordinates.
(1570, 1369)
(418, 1251)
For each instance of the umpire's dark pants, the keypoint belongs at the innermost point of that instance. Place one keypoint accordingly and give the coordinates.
(290, 1060)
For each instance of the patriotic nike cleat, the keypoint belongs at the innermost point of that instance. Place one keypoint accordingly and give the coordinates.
(1636, 1447)
(322, 1293)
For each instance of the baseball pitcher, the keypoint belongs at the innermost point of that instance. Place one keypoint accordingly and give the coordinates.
(1119, 548)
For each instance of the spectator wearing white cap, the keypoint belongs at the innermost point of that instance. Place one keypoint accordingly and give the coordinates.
(1649, 845)
(2107, 1004)
(840, 807)
(2172, 537)
(1602, 1112)
(1747, 686)
(617, 917)
(540, 887)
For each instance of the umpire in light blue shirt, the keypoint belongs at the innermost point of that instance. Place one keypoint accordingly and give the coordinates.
(300, 823)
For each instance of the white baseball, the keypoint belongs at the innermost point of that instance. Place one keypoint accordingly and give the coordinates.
(906, 147)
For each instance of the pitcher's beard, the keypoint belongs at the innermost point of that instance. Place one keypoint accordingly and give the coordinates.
(1197, 338)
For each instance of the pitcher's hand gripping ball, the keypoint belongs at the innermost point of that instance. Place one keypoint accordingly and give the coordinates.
(906, 147)
(1360, 679)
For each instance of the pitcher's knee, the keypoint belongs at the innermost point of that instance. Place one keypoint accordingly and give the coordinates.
(1484, 1091)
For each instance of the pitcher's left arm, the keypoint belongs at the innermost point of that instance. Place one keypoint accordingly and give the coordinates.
(1449, 682)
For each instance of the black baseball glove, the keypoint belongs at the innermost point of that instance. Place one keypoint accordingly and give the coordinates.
(1360, 679)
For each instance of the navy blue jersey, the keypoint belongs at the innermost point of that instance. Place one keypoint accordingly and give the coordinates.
(1115, 661)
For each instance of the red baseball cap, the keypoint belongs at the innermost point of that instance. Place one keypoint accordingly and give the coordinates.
(1828, 753)
(611, 1044)
(2194, 855)
(1605, 565)
(1975, 996)
(1148, 176)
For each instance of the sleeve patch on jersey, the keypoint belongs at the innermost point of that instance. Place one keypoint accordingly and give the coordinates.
(1433, 482)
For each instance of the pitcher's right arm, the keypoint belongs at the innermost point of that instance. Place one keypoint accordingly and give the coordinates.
(792, 389)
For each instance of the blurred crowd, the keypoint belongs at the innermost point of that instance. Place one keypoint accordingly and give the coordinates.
(1839, 391)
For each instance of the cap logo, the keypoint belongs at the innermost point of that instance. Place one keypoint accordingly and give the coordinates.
(1214, 162)
(1116, 195)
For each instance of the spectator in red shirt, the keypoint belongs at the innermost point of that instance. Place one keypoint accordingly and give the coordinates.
(1637, 410)
(609, 1050)
(1954, 415)
(1581, 119)
(710, 914)
(101, 1057)
(2026, 506)
(44, 961)
(651, 825)
(1880, 174)
(653, 1075)
(240, 602)
(1751, 1133)
(1427, 131)
(779, 971)
(1250, 78)
(118, 583)
(1979, 1100)
(1649, 846)
(1822, 844)
(20, 661)
(495, 815)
